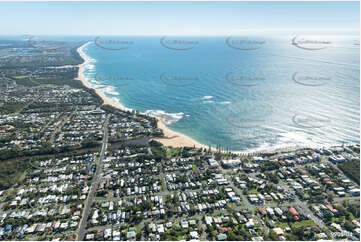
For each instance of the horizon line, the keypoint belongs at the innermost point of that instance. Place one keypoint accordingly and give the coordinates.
(258, 32)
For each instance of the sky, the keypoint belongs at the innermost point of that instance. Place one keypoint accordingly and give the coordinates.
(175, 18)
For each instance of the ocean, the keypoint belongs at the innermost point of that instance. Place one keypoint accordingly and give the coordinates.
(243, 93)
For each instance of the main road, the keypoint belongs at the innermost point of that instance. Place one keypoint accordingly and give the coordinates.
(95, 183)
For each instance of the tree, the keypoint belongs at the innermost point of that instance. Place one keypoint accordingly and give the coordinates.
(327, 216)
(273, 235)
(349, 226)
(231, 236)
(330, 197)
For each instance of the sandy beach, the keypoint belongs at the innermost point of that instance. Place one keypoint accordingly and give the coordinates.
(171, 138)
(81, 77)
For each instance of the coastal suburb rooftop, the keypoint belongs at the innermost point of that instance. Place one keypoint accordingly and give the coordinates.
(75, 167)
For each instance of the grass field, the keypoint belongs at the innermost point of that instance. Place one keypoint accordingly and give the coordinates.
(304, 223)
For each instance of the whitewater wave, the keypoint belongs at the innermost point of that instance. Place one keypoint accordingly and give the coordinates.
(342, 92)
(95, 86)
(107, 89)
(290, 141)
(168, 118)
(209, 101)
(117, 102)
(85, 50)
(110, 90)
(90, 67)
(225, 102)
(94, 83)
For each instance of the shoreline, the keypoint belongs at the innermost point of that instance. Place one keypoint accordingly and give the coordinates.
(171, 138)
(106, 100)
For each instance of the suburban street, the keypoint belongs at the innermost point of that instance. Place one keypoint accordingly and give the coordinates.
(94, 186)
(252, 208)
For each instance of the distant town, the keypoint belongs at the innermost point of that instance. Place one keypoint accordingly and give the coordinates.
(72, 168)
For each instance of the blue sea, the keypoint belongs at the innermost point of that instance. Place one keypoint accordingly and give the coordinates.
(243, 93)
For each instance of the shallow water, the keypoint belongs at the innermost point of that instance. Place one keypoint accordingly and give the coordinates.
(244, 93)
